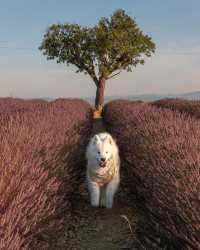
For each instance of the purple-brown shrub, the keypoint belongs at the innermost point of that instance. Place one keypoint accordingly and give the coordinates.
(42, 161)
(13, 105)
(161, 151)
(184, 106)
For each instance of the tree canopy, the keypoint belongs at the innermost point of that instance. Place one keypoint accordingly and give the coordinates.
(102, 51)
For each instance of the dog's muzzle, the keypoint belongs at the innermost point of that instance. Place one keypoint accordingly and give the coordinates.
(103, 162)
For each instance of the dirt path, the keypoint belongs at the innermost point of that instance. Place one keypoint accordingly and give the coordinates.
(90, 228)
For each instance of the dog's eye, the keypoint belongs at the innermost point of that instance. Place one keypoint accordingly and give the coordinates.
(99, 152)
(106, 152)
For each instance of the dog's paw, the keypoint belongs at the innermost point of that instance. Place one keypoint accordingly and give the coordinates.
(94, 203)
(109, 204)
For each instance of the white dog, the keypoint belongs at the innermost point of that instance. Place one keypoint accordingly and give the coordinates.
(103, 165)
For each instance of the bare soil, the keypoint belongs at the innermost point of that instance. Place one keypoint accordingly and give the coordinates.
(88, 228)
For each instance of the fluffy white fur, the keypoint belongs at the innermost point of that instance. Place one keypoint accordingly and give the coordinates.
(103, 166)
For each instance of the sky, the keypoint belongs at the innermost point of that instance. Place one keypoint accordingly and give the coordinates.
(172, 24)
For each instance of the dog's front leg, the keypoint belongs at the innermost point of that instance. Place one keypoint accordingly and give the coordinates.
(94, 193)
(110, 191)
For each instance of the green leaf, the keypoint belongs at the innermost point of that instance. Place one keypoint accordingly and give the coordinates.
(115, 43)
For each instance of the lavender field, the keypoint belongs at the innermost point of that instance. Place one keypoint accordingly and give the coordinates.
(42, 155)
(42, 152)
(161, 150)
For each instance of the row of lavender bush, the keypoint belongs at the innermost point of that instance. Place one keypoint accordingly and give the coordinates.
(184, 106)
(11, 105)
(161, 149)
(42, 149)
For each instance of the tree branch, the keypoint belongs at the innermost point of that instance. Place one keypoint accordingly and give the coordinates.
(79, 64)
(115, 74)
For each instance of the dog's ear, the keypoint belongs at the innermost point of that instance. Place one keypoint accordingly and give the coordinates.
(110, 140)
(104, 138)
(96, 139)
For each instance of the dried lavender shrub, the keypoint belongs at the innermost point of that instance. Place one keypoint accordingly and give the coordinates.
(184, 106)
(161, 148)
(42, 160)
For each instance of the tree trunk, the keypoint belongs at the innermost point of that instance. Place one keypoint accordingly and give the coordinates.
(99, 100)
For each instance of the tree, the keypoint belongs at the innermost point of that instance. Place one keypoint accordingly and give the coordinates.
(102, 51)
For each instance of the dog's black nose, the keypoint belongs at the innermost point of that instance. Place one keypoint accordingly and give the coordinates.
(103, 159)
